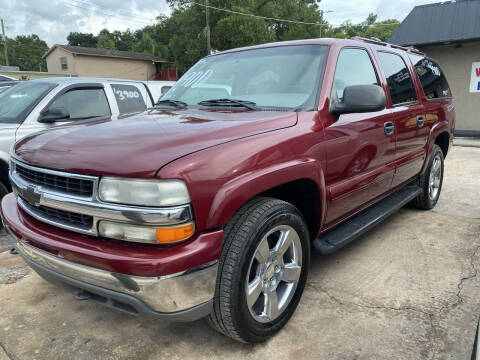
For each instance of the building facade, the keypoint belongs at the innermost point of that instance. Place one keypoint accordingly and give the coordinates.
(93, 62)
(449, 32)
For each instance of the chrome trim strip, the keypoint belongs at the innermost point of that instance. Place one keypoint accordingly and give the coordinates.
(54, 172)
(28, 209)
(170, 293)
(91, 206)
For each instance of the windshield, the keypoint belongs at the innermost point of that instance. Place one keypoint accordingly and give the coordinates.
(277, 77)
(17, 101)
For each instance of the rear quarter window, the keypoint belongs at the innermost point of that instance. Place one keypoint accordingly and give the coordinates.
(432, 78)
(129, 98)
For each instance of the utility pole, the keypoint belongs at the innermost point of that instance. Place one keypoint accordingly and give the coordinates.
(207, 19)
(4, 38)
(321, 18)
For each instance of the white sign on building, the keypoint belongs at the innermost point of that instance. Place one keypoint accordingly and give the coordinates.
(475, 78)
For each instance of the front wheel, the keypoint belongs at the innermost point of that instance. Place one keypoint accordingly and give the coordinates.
(431, 181)
(262, 270)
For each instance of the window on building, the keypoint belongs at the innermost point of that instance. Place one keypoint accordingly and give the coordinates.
(398, 78)
(83, 103)
(129, 99)
(63, 63)
(434, 83)
(354, 67)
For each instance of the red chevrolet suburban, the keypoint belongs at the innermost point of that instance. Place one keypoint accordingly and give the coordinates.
(208, 204)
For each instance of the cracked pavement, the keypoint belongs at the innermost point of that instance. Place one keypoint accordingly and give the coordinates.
(408, 289)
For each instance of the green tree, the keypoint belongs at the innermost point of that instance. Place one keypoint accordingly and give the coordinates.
(368, 28)
(82, 39)
(105, 40)
(26, 52)
(382, 29)
(234, 31)
(180, 37)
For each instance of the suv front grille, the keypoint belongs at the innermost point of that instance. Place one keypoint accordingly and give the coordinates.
(56, 216)
(65, 216)
(64, 184)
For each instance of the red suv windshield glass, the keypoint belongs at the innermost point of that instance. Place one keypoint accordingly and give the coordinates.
(283, 77)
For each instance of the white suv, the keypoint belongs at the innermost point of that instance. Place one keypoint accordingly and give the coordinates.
(37, 105)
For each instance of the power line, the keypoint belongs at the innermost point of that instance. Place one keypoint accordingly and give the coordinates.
(283, 20)
(105, 8)
(131, 18)
(258, 16)
(141, 20)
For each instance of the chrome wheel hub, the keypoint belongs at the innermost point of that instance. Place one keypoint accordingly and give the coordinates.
(435, 177)
(274, 273)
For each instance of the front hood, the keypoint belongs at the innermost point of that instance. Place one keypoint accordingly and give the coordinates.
(138, 146)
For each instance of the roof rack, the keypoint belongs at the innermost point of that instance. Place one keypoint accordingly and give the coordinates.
(383, 43)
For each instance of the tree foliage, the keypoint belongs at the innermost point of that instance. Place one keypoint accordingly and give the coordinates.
(180, 37)
(26, 52)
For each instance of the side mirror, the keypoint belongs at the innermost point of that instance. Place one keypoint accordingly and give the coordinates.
(360, 98)
(53, 115)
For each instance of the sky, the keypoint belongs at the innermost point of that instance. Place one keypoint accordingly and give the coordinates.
(53, 20)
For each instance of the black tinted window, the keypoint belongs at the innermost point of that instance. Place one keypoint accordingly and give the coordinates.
(398, 78)
(433, 80)
(129, 98)
(354, 67)
(83, 103)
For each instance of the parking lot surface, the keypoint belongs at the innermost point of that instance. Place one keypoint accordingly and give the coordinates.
(406, 290)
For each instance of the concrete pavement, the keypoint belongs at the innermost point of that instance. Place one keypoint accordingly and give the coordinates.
(406, 290)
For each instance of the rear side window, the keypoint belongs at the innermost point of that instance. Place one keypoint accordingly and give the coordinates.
(398, 78)
(83, 103)
(129, 98)
(354, 67)
(434, 82)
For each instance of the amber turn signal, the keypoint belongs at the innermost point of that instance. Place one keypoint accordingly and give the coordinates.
(174, 234)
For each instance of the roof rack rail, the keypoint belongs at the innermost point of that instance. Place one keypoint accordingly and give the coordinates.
(383, 43)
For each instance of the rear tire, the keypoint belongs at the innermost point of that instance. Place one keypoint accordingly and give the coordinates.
(431, 181)
(262, 270)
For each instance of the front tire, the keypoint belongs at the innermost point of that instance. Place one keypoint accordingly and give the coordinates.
(431, 181)
(262, 270)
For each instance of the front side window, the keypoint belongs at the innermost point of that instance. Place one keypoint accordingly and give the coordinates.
(83, 103)
(63, 63)
(276, 77)
(398, 78)
(129, 99)
(434, 82)
(354, 67)
(17, 101)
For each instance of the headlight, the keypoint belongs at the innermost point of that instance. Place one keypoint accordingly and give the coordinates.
(143, 192)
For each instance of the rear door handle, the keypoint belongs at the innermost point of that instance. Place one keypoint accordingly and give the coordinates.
(420, 121)
(389, 128)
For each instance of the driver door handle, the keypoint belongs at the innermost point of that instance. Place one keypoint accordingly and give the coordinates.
(389, 128)
(420, 121)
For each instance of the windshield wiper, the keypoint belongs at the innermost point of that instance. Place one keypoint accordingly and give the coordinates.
(175, 103)
(231, 102)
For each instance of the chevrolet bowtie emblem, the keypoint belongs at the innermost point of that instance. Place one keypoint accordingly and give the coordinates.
(31, 196)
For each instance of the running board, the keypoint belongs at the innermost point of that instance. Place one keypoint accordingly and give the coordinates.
(352, 228)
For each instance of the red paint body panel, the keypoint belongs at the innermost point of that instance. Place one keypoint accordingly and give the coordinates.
(138, 146)
(115, 256)
(228, 157)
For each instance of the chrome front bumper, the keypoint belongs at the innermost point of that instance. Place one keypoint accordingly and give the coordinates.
(183, 296)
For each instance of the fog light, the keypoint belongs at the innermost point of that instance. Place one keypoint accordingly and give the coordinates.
(145, 234)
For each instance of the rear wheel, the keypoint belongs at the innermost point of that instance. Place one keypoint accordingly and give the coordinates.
(262, 271)
(431, 181)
